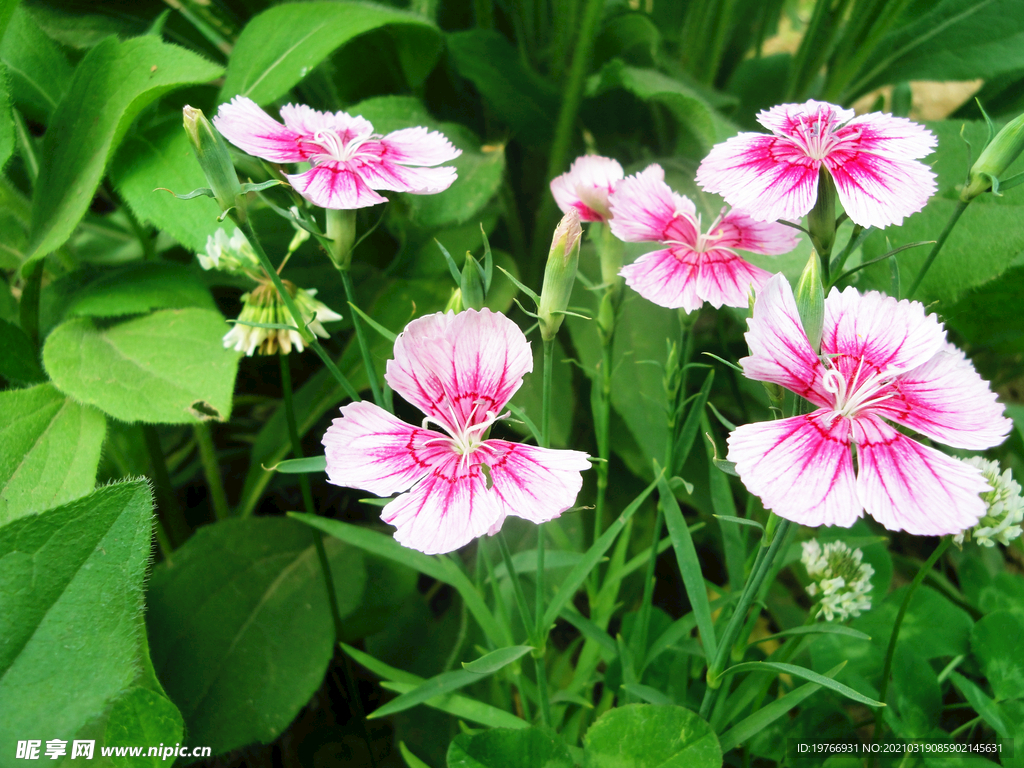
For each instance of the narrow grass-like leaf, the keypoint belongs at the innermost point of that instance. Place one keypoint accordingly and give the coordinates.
(590, 630)
(690, 426)
(582, 569)
(526, 561)
(740, 521)
(410, 759)
(806, 674)
(392, 337)
(989, 710)
(681, 628)
(816, 629)
(490, 663)
(389, 673)
(689, 567)
(302, 466)
(648, 694)
(435, 687)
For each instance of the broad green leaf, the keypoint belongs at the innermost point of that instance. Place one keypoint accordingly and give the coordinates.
(40, 73)
(49, 450)
(389, 585)
(520, 99)
(71, 597)
(954, 40)
(18, 361)
(806, 674)
(279, 47)
(995, 640)
(932, 626)
(507, 748)
(142, 716)
(915, 700)
(169, 367)
(161, 159)
(240, 628)
(649, 736)
(490, 663)
(139, 288)
(112, 84)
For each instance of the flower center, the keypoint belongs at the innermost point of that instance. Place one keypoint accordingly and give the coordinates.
(704, 242)
(817, 137)
(336, 149)
(466, 437)
(857, 395)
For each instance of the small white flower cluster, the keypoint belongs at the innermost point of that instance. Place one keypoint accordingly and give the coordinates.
(264, 305)
(1002, 520)
(839, 577)
(230, 254)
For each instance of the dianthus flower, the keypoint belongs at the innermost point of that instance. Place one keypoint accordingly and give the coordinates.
(586, 187)
(880, 359)
(839, 577)
(460, 370)
(873, 160)
(695, 267)
(1004, 507)
(349, 160)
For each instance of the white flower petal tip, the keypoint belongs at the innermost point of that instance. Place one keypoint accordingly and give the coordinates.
(586, 186)
(460, 370)
(349, 160)
(696, 266)
(873, 159)
(880, 359)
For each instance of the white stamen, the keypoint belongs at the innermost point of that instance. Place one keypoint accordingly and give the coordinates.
(855, 396)
(336, 149)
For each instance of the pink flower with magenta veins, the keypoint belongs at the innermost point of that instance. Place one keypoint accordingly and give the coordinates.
(349, 160)
(882, 360)
(586, 187)
(872, 159)
(460, 370)
(696, 266)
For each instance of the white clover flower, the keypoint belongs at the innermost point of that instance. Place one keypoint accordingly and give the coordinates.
(229, 254)
(839, 576)
(1004, 507)
(264, 306)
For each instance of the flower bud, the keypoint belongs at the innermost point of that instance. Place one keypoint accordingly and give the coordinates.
(995, 159)
(559, 274)
(341, 231)
(472, 284)
(839, 578)
(230, 254)
(215, 160)
(810, 300)
(454, 302)
(821, 221)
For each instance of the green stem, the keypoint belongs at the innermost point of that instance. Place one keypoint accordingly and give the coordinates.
(167, 504)
(364, 348)
(541, 631)
(542, 687)
(602, 418)
(208, 456)
(894, 636)
(28, 309)
(762, 565)
(960, 208)
(310, 338)
(517, 587)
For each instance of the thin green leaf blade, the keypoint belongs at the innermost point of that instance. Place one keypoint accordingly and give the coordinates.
(806, 674)
(495, 660)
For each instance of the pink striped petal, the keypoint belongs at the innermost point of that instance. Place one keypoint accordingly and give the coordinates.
(767, 176)
(369, 448)
(645, 208)
(249, 128)
(310, 122)
(725, 278)
(399, 178)
(738, 230)
(457, 368)
(894, 137)
(779, 349)
(537, 484)
(889, 335)
(947, 400)
(336, 185)
(586, 186)
(909, 487)
(801, 467)
(668, 278)
(417, 146)
(787, 119)
(877, 191)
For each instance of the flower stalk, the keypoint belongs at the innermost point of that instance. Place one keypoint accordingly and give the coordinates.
(961, 206)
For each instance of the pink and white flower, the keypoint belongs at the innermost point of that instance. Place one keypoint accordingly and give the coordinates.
(882, 361)
(349, 160)
(460, 370)
(586, 187)
(873, 160)
(695, 267)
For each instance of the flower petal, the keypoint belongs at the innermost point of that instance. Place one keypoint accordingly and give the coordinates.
(738, 230)
(725, 278)
(801, 468)
(910, 487)
(537, 484)
(769, 177)
(667, 277)
(449, 508)
(587, 185)
(892, 336)
(368, 448)
(779, 349)
(645, 208)
(399, 178)
(417, 146)
(310, 122)
(457, 368)
(251, 129)
(786, 119)
(335, 185)
(947, 400)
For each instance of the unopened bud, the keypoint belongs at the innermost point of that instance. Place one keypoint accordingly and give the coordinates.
(559, 274)
(995, 159)
(472, 284)
(341, 231)
(455, 302)
(215, 160)
(810, 300)
(821, 221)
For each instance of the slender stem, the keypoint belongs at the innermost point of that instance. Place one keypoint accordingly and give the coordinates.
(167, 504)
(517, 586)
(293, 434)
(540, 631)
(542, 687)
(894, 636)
(762, 564)
(602, 418)
(545, 413)
(208, 456)
(961, 206)
(310, 338)
(364, 348)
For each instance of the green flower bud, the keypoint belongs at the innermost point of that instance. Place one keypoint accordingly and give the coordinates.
(559, 274)
(995, 159)
(810, 300)
(341, 231)
(472, 284)
(215, 160)
(455, 302)
(821, 221)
